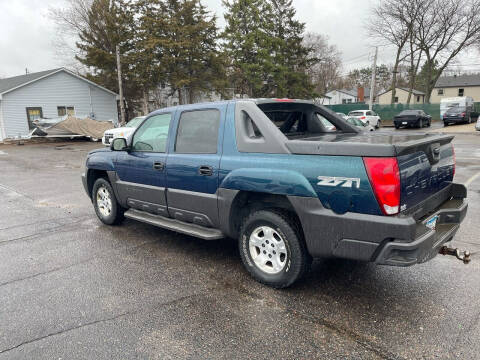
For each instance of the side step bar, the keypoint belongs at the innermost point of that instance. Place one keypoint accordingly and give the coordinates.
(175, 225)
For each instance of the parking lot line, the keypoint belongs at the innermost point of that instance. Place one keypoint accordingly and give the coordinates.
(472, 179)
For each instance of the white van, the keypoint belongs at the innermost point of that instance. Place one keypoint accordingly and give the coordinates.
(463, 101)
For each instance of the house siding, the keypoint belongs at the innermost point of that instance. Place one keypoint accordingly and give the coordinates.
(60, 89)
(2, 128)
(472, 91)
(386, 98)
(337, 97)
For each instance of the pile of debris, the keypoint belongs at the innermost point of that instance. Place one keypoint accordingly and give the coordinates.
(71, 126)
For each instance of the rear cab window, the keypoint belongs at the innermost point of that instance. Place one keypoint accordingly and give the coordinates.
(198, 132)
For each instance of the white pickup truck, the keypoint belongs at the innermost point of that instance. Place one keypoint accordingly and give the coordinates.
(124, 131)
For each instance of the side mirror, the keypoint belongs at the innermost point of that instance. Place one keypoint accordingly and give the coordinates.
(119, 144)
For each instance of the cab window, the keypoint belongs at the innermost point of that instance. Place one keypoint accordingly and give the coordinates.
(152, 134)
(198, 132)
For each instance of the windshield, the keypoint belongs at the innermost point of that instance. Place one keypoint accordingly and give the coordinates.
(410, 112)
(135, 122)
(456, 109)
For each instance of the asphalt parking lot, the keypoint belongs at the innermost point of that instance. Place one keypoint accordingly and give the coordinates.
(72, 288)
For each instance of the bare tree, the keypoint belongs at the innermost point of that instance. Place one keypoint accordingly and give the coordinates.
(71, 20)
(443, 28)
(393, 21)
(326, 65)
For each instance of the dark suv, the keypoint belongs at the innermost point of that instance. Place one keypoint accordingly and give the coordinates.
(457, 114)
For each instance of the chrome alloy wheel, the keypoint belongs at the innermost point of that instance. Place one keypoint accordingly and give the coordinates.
(268, 250)
(104, 201)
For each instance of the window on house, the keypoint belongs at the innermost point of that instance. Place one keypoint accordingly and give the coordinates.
(396, 99)
(344, 101)
(65, 110)
(33, 114)
(440, 92)
(349, 101)
(461, 92)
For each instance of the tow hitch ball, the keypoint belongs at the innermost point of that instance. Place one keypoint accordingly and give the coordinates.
(460, 255)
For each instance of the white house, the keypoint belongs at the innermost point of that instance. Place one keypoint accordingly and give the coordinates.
(342, 96)
(51, 94)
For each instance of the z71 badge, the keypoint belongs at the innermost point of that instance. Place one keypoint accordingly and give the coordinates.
(338, 181)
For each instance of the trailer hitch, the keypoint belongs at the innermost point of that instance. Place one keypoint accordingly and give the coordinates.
(464, 255)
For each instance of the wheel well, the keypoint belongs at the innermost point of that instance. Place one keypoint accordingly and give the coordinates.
(247, 202)
(92, 176)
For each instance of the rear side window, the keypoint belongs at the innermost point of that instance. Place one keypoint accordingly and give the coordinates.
(356, 113)
(198, 132)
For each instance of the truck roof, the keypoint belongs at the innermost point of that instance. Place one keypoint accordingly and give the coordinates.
(221, 102)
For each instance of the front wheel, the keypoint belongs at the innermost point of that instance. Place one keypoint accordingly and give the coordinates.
(379, 123)
(105, 203)
(272, 248)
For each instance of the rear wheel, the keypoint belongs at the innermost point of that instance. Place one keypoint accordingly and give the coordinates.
(397, 126)
(105, 203)
(272, 248)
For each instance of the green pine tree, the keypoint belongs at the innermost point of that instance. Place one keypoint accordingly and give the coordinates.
(290, 56)
(247, 46)
(110, 23)
(183, 36)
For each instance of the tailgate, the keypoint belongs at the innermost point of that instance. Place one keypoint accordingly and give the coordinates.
(426, 167)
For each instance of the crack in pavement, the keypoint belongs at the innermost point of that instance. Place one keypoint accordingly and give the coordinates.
(61, 332)
(7, 188)
(105, 254)
(37, 222)
(344, 332)
(63, 227)
(118, 316)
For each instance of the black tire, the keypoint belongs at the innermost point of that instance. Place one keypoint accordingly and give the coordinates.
(115, 216)
(297, 261)
(429, 123)
(397, 126)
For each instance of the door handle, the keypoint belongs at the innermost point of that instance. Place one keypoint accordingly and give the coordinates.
(205, 170)
(158, 165)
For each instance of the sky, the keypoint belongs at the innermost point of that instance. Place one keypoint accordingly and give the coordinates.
(29, 35)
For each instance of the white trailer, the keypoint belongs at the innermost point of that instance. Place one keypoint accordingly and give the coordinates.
(463, 101)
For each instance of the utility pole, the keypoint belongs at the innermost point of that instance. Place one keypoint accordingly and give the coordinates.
(374, 79)
(120, 87)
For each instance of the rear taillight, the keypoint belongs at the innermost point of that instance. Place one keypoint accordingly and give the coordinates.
(454, 161)
(384, 177)
(463, 114)
(363, 117)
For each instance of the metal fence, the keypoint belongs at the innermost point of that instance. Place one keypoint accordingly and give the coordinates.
(387, 112)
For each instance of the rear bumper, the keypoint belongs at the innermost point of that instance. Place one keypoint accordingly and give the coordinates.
(454, 120)
(427, 242)
(401, 240)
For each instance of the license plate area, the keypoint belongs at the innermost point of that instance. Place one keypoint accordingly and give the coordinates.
(432, 222)
(404, 123)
